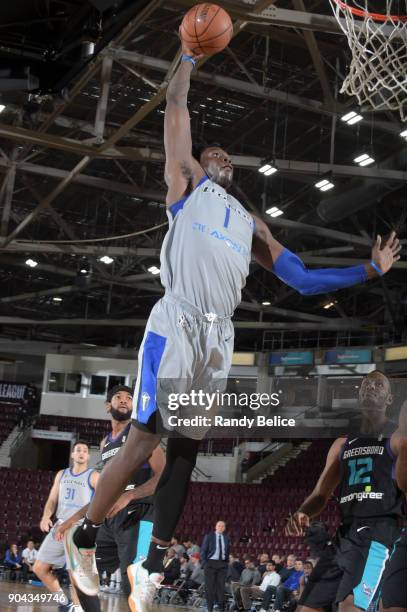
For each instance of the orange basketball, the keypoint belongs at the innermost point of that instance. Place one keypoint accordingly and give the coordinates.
(207, 29)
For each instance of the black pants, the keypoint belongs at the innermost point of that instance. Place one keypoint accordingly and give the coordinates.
(269, 593)
(215, 579)
(120, 542)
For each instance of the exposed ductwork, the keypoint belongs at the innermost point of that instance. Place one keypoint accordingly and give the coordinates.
(359, 194)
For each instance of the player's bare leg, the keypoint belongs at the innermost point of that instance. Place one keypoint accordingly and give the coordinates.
(80, 542)
(43, 572)
(348, 605)
(117, 473)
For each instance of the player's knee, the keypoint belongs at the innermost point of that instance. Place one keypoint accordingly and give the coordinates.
(347, 605)
(40, 569)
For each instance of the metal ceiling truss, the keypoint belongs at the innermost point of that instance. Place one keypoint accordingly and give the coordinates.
(104, 146)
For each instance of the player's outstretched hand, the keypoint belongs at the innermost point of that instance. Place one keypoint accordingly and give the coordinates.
(121, 503)
(187, 51)
(296, 524)
(46, 524)
(386, 252)
(62, 528)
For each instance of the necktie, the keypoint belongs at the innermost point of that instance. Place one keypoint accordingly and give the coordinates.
(220, 547)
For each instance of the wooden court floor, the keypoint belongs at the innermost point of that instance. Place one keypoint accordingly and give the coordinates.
(109, 602)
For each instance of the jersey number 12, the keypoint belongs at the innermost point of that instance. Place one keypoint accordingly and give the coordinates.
(360, 470)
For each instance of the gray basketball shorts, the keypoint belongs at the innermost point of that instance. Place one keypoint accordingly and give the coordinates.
(52, 551)
(183, 351)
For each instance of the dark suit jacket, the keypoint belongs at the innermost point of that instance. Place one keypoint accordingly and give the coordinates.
(208, 547)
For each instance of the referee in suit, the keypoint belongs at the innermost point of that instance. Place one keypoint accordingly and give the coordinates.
(214, 556)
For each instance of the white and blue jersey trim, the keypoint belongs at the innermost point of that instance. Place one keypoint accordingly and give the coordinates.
(179, 205)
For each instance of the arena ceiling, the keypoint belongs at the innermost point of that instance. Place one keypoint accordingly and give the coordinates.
(81, 160)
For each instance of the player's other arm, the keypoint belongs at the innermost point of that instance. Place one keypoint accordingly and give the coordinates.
(273, 256)
(157, 464)
(51, 504)
(80, 514)
(182, 171)
(326, 485)
(398, 443)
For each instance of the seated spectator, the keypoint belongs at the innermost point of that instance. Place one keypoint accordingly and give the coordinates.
(290, 587)
(191, 547)
(29, 556)
(197, 574)
(286, 571)
(185, 569)
(270, 580)
(278, 562)
(13, 561)
(249, 577)
(171, 567)
(308, 567)
(195, 578)
(263, 560)
(235, 569)
(177, 546)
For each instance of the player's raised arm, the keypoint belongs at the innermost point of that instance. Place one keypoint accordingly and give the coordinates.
(289, 268)
(182, 171)
(326, 485)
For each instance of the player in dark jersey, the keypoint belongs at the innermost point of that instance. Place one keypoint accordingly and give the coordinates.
(362, 466)
(125, 535)
(394, 586)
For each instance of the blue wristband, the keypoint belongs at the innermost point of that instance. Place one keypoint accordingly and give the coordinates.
(380, 273)
(188, 58)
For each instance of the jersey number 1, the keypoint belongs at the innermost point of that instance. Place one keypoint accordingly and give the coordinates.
(360, 470)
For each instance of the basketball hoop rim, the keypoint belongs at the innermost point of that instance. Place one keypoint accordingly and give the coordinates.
(375, 16)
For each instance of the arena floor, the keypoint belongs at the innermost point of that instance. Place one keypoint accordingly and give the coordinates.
(109, 602)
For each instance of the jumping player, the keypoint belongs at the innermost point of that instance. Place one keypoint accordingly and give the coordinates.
(205, 261)
(125, 536)
(72, 489)
(370, 503)
(394, 587)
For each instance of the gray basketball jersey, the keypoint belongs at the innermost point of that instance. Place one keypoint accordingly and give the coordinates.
(75, 492)
(206, 252)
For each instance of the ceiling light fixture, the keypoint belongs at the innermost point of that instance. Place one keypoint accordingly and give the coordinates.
(266, 303)
(83, 271)
(274, 212)
(364, 159)
(324, 185)
(2, 107)
(328, 305)
(154, 270)
(403, 134)
(106, 259)
(57, 299)
(31, 262)
(351, 118)
(267, 169)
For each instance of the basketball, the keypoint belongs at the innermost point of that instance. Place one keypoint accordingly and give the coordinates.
(206, 29)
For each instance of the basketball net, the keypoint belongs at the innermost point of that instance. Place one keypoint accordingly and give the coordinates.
(378, 42)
